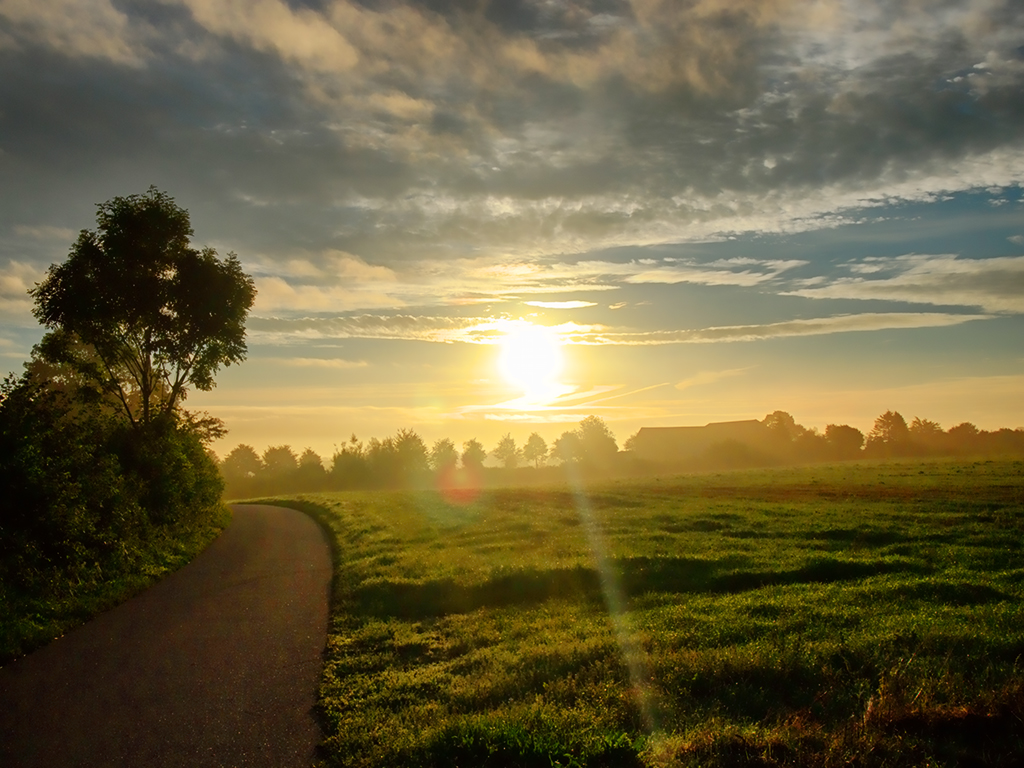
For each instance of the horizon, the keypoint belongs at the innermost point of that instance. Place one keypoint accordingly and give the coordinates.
(471, 219)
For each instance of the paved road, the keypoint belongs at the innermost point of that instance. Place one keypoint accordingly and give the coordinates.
(217, 665)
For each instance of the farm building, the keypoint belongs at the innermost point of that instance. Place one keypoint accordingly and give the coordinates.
(670, 444)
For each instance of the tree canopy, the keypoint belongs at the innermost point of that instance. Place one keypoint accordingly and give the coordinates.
(140, 313)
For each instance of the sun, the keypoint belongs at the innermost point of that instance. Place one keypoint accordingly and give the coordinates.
(531, 359)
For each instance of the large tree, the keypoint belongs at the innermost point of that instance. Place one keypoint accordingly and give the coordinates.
(139, 312)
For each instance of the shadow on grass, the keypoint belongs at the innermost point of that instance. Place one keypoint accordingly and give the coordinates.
(637, 576)
(506, 745)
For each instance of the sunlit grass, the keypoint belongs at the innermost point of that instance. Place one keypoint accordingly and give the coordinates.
(866, 613)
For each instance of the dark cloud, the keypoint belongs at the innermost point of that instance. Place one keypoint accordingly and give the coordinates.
(415, 130)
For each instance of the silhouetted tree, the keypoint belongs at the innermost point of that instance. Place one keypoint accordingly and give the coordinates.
(473, 454)
(349, 467)
(630, 443)
(567, 448)
(535, 450)
(507, 452)
(140, 313)
(280, 465)
(310, 475)
(241, 469)
(927, 434)
(782, 426)
(964, 438)
(844, 441)
(889, 436)
(443, 455)
(597, 444)
(809, 444)
(412, 454)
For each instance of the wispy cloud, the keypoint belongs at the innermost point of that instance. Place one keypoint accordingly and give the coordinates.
(15, 281)
(871, 321)
(561, 304)
(488, 330)
(95, 29)
(993, 284)
(316, 362)
(46, 232)
(709, 377)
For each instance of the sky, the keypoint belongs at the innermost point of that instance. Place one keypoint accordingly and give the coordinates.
(472, 218)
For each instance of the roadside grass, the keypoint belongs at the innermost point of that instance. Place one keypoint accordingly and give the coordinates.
(42, 605)
(858, 614)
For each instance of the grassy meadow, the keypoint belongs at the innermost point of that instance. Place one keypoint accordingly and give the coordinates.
(857, 614)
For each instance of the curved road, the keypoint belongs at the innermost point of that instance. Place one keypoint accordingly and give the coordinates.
(216, 665)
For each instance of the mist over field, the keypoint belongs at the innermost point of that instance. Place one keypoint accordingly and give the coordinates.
(692, 212)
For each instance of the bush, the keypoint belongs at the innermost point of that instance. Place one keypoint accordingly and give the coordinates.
(83, 488)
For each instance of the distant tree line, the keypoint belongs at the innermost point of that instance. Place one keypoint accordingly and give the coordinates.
(403, 460)
(890, 437)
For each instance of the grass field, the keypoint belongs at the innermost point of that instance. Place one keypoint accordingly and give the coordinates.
(856, 614)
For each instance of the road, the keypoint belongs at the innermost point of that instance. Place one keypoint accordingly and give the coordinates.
(216, 665)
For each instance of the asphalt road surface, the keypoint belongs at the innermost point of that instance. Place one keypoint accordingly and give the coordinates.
(216, 665)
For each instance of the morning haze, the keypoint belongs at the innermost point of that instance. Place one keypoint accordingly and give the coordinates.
(651, 369)
(715, 210)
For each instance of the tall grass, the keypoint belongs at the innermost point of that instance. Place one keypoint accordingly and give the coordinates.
(860, 614)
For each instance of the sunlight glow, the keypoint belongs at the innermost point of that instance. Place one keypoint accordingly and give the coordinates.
(531, 359)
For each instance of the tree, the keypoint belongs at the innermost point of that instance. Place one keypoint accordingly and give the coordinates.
(889, 436)
(507, 452)
(280, 465)
(567, 448)
(473, 454)
(844, 441)
(240, 469)
(349, 467)
(631, 441)
(925, 430)
(412, 455)
(535, 450)
(782, 426)
(597, 443)
(139, 312)
(964, 437)
(310, 475)
(443, 455)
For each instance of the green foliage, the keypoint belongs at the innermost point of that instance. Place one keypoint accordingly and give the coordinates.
(107, 480)
(855, 614)
(140, 312)
(92, 507)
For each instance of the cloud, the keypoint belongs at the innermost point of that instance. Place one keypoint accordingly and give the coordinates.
(871, 321)
(301, 36)
(316, 362)
(561, 304)
(413, 131)
(993, 284)
(1016, 239)
(276, 294)
(46, 232)
(716, 273)
(78, 28)
(490, 330)
(15, 281)
(708, 377)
